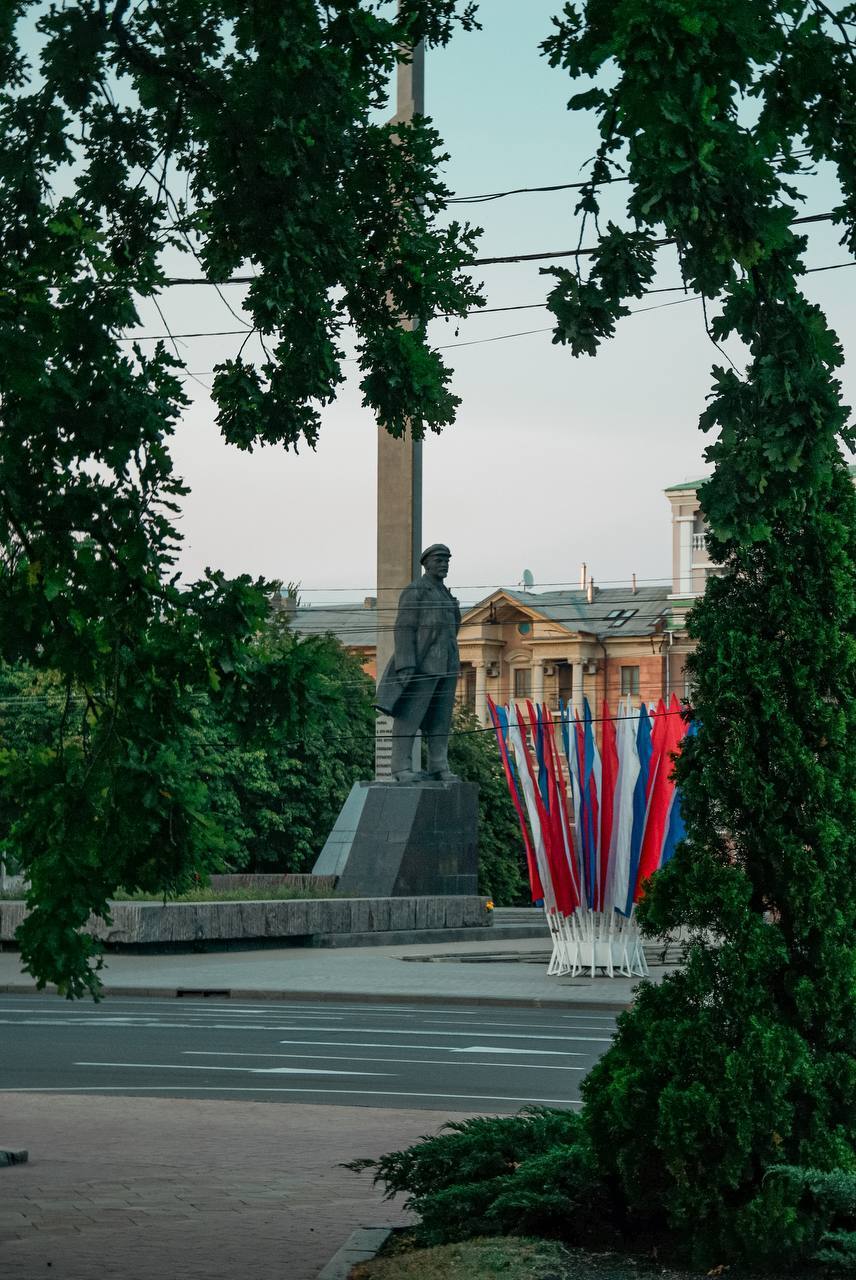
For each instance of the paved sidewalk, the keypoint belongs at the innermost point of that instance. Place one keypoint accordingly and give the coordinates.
(141, 1188)
(150, 1189)
(503, 972)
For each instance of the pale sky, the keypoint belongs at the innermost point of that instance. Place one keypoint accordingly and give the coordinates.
(552, 460)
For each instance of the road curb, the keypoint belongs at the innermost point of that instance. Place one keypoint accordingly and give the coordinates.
(338, 997)
(361, 1246)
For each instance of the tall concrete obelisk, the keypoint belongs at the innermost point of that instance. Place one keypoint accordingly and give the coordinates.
(399, 476)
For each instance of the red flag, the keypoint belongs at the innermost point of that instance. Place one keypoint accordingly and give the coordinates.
(551, 828)
(559, 807)
(668, 731)
(535, 886)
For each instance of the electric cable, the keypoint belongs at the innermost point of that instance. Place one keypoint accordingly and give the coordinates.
(525, 306)
(685, 712)
(566, 186)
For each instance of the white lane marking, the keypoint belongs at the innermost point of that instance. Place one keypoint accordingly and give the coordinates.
(495, 1048)
(499, 1035)
(231, 1026)
(419, 1062)
(519, 1025)
(256, 1071)
(79, 1022)
(131, 1090)
(87, 1021)
(280, 1008)
(181, 1026)
(414, 1048)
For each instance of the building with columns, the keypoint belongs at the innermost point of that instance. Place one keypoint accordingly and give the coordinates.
(566, 645)
(592, 641)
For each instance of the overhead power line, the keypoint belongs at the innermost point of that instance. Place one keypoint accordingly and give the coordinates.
(685, 711)
(485, 197)
(571, 584)
(528, 306)
(520, 191)
(482, 262)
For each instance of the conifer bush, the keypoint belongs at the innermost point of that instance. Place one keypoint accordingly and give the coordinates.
(746, 1059)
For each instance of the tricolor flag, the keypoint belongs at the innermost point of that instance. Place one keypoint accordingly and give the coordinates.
(499, 719)
(622, 828)
(675, 830)
(608, 794)
(640, 792)
(559, 806)
(555, 836)
(534, 804)
(590, 777)
(668, 731)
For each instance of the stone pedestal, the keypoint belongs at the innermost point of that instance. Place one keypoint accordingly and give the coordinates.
(397, 839)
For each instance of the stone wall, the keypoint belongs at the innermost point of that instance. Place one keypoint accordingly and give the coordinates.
(145, 923)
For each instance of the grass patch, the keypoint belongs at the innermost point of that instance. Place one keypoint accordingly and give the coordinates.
(516, 1258)
(505, 1258)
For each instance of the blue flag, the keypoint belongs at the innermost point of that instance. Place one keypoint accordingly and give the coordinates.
(640, 801)
(676, 831)
(543, 776)
(588, 790)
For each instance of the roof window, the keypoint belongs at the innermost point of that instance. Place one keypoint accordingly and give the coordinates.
(618, 617)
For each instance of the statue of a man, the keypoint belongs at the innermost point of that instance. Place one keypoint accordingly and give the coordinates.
(418, 687)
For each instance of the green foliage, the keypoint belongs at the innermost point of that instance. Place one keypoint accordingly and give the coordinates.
(271, 794)
(831, 1207)
(93, 797)
(271, 786)
(131, 133)
(484, 1175)
(746, 1059)
(278, 793)
(502, 864)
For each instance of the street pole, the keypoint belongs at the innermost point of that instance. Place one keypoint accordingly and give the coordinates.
(399, 477)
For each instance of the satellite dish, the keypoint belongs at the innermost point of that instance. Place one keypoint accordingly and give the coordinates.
(528, 579)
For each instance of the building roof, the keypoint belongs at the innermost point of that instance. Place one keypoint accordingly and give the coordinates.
(614, 611)
(686, 484)
(694, 484)
(355, 624)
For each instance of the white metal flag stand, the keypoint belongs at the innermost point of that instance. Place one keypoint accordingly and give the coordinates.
(588, 941)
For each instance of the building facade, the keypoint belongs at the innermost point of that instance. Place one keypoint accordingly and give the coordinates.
(564, 646)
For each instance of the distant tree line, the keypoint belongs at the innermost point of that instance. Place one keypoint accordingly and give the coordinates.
(268, 791)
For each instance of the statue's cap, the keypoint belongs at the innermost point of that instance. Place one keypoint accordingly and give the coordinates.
(435, 547)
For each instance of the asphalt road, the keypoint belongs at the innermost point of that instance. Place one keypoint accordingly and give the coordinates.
(380, 1055)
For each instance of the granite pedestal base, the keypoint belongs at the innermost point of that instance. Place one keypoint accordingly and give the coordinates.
(396, 839)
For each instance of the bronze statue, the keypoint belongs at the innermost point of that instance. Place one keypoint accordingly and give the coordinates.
(418, 686)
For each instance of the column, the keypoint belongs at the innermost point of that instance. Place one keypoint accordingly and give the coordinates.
(685, 554)
(481, 691)
(538, 680)
(399, 481)
(577, 689)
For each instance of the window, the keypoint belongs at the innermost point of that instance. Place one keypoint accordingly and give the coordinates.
(630, 680)
(522, 682)
(618, 617)
(470, 689)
